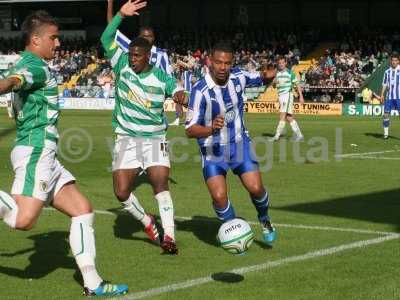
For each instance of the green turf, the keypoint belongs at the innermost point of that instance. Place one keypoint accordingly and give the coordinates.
(311, 189)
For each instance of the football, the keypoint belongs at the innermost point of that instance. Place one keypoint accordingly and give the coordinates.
(235, 236)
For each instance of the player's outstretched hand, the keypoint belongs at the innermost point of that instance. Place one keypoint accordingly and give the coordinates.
(180, 98)
(131, 8)
(218, 123)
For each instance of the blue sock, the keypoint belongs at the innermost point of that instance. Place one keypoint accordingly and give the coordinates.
(225, 214)
(386, 122)
(261, 206)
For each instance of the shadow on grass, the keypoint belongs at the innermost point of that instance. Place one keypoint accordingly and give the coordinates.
(227, 277)
(203, 228)
(380, 207)
(49, 253)
(380, 136)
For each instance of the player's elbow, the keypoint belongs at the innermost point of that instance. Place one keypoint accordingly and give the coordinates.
(190, 132)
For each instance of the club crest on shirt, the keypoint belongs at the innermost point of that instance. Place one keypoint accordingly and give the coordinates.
(154, 59)
(43, 186)
(230, 116)
(238, 89)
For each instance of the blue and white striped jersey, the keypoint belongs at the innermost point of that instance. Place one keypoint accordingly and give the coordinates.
(208, 100)
(187, 80)
(391, 80)
(158, 58)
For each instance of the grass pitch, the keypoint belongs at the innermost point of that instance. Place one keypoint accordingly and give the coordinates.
(342, 183)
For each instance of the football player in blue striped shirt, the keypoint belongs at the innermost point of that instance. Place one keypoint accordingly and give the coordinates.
(215, 118)
(391, 91)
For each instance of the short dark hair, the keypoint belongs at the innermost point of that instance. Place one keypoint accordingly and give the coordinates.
(141, 43)
(395, 55)
(222, 47)
(143, 28)
(33, 22)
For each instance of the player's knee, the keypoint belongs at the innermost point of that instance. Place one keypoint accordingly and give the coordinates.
(122, 194)
(25, 222)
(257, 190)
(220, 196)
(159, 188)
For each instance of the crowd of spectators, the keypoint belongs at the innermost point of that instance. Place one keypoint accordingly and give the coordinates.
(343, 69)
(81, 71)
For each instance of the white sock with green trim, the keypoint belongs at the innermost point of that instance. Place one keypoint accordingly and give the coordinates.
(133, 206)
(280, 128)
(8, 209)
(166, 208)
(295, 128)
(81, 240)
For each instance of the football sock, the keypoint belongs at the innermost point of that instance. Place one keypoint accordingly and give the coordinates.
(81, 240)
(133, 206)
(166, 208)
(295, 128)
(261, 206)
(386, 123)
(280, 128)
(226, 213)
(8, 209)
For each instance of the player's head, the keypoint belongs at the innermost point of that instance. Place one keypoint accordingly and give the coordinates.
(221, 62)
(147, 33)
(394, 59)
(40, 34)
(281, 63)
(139, 54)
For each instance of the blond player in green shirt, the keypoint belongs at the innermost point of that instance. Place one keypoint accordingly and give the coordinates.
(286, 81)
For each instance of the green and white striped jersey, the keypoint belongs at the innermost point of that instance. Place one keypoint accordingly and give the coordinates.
(285, 81)
(35, 103)
(139, 98)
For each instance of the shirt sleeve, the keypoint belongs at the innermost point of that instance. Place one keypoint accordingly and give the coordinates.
(31, 77)
(118, 58)
(385, 80)
(167, 67)
(196, 109)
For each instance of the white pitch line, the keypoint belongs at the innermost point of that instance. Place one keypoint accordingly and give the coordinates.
(298, 226)
(365, 153)
(373, 157)
(259, 267)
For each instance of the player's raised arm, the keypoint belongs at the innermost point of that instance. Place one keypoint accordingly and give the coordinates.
(110, 10)
(129, 9)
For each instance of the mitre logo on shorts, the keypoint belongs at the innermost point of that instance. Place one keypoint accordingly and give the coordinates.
(43, 186)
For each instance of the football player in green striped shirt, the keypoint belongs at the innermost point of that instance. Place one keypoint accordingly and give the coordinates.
(140, 126)
(40, 179)
(286, 81)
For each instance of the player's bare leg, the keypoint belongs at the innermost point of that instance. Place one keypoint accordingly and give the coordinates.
(158, 176)
(252, 181)
(19, 212)
(218, 190)
(123, 181)
(71, 202)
